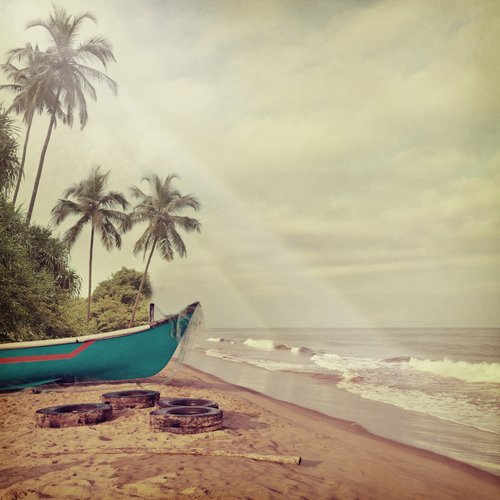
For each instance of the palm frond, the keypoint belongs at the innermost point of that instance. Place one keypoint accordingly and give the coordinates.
(82, 106)
(63, 209)
(110, 236)
(180, 203)
(187, 223)
(98, 76)
(136, 192)
(133, 219)
(87, 86)
(77, 22)
(126, 224)
(73, 232)
(177, 242)
(114, 215)
(73, 190)
(143, 243)
(26, 53)
(42, 23)
(165, 248)
(96, 49)
(114, 198)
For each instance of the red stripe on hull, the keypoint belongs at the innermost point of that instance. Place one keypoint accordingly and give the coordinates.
(47, 357)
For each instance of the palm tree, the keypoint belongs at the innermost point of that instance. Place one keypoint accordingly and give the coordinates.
(161, 211)
(63, 76)
(95, 206)
(28, 100)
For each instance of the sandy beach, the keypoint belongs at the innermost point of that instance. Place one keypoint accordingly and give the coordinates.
(122, 458)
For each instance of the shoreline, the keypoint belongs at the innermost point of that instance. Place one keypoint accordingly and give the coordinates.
(418, 429)
(354, 427)
(122, 458)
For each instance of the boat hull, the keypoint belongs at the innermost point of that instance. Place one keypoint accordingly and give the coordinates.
(135, 353)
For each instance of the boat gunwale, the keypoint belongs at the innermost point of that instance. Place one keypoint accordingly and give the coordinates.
(124, 332)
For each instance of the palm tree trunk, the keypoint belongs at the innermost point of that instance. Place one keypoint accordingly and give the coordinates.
(23, 159)
(136, 303)
(40, 167)
(89, 301)
(42, 157)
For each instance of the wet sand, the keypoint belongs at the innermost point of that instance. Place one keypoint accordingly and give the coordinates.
(122, 458)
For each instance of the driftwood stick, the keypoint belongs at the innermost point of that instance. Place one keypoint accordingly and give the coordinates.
(280, 459)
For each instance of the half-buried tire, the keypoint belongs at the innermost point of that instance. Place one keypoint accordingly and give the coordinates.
(186, 419)
(175, 402)
(131, 399)
(73, 415)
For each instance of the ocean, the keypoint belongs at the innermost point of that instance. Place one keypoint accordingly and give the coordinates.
(436, 389)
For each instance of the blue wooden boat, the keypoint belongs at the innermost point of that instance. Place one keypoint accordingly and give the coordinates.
(131, 353)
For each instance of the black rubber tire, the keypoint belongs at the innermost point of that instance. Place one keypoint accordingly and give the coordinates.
(131, 399)
(186, 419)
(175, 402)
(73, 415)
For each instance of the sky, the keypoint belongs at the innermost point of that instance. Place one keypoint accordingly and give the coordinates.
(345, 154)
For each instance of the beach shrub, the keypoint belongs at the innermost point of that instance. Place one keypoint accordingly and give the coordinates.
(113, 300)
(123, 286)
(36, 282)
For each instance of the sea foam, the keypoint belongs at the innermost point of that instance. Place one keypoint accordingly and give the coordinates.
(218, 339)
(443, 406)
(261, 363)
(462, 370)
(344, 364)
(265, 345)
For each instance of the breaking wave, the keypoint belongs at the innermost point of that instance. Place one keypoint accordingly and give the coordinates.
(344, 364)
(265, 345)
(269, 345)
(462, 370)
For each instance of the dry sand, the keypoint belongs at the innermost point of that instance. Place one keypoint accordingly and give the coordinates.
(122, 458)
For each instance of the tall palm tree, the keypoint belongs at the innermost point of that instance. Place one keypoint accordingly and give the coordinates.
(93, 206)
(161, 210)
(64, 76)
(28, 99)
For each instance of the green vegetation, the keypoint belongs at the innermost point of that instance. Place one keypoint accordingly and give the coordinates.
(160, 211)
(38, 288)
(36, 282)
(93, 205)
(9, 164)
(113, 300)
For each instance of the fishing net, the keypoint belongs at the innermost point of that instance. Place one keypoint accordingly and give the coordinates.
(186, 340)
